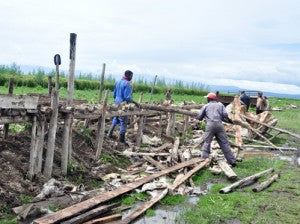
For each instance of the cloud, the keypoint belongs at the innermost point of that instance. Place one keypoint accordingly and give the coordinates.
(192, 40)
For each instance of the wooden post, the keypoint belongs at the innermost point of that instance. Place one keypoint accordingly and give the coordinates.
(171, 124)
(32, 148)
(237, 116)
(53, 123)
(160, 126)
(49, 85)
(67, 134)
(152, 90)
(186, 123)
(40, 145)
(139, 135)
(10, 92)
(101, 133)
(101, 83)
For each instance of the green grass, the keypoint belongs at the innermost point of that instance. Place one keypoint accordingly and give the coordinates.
(150, 212)
(173, 199)
(119, 161)
(277, 204)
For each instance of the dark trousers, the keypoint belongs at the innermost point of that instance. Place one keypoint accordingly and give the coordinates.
(216, 129)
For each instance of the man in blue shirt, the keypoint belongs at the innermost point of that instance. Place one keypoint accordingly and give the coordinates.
(122, 93)
(245, 99)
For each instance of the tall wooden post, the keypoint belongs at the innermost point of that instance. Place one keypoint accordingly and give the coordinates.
(10, 92)
(139, 135)
(32, 147)
(101, 132)
(49, 85)
(40, 144)
(160, 126)
(101, 83)
(53, 123)
(186, 119)
(152, 90)
(67, 135)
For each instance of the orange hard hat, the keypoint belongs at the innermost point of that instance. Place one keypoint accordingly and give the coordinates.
(211, 96)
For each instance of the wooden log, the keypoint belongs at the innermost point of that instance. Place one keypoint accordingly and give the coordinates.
(266, 183)
(139, 135)
(227, 169)
(101, 133)
(10, 92)
(141, 209)
(49, 85)
(91, 214)
(90, 203)
(244, 180)
(18, 102)
(73, 37)
(106, 219)
(15, 119)
(237, 116)
(158, 165)
(51, 135)
(269, 126)
(180, 181)
(101, 83)
(32, 148)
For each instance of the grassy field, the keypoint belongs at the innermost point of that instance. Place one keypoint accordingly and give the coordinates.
(277, 204)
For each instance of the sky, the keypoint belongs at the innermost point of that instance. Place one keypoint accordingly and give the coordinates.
(252, 44)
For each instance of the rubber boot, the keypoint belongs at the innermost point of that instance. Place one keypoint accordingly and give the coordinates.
(122, 139)
(110, 131)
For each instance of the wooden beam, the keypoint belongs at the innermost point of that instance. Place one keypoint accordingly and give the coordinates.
(101, 83)
(244, 180)
(91, 214)
(141, 209)
(18, 102)
(90, 203)
(266, 183)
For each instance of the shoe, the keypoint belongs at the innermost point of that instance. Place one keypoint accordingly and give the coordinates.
(111, 131)
(233, 164)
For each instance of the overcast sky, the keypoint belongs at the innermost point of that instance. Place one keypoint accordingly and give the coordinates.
(252, 44)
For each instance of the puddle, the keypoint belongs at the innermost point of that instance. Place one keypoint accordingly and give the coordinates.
(163, 214)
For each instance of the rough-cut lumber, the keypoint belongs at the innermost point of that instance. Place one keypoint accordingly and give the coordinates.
(40, 145)
(174, 152)
(126, 153)
(90, 203)
(237, 116)
(91, 214)
(106, 219)
(160, 195)
(266, 183)
(18, 102)
(10, 92)
(269, 126)
(101, 83)
(32, 147)
(101, 132)
(14, 119)
(158, 165)
(204, 163)
(227, 169)
(51, 135)
(270, 147)
(139, 135)
(244, 180)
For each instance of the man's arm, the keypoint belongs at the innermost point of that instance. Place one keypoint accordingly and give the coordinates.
(201, 113)
(127, 93)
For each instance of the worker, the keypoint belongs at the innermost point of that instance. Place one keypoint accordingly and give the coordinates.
(262, 103)
(122, 93)
(245, 99)
(215, 112)
(168, 95)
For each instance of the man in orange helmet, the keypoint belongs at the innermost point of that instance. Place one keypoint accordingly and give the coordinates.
(215, 112)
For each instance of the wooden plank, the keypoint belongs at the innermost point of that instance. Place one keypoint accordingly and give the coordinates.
(158, 165)
(91, 214)
(101, 83)
(18, 102)
(90, 203)
(245, 180)
(141, 209)
(51, 135)
(106, 219)
(101, 132)
(227, 169)
(180, 181)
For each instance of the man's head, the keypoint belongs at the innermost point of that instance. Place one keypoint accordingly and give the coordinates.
(260, 94)
(211, 97)
(242, 92)
(128, 74)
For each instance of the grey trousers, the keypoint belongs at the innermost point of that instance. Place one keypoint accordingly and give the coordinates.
(216, 129)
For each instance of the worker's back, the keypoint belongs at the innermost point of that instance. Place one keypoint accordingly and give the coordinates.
(122, 91)
(213, 111)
